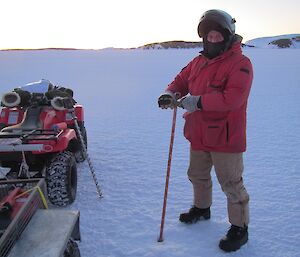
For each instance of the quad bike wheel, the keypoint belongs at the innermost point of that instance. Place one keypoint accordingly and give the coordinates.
(61, 179)
(2, 125)
(79, 155)
(72, 249)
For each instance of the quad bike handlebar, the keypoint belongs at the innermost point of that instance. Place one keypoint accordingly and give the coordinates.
(22, 98)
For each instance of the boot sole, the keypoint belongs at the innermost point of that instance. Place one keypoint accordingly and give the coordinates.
(195, 220)
(226, 248)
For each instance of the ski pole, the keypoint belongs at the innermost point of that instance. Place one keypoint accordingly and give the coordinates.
(161, 239)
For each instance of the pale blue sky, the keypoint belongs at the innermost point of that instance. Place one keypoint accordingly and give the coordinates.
(120, 23)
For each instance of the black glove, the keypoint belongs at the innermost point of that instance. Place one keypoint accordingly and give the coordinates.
(167, 100)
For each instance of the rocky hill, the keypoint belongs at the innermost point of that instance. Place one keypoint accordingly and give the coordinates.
(282, 41)
(172, 44)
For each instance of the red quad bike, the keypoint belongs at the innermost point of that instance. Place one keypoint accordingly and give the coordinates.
(42, 135)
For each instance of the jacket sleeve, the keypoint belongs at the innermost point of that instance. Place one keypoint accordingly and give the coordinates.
(236, 90)
(180, 83)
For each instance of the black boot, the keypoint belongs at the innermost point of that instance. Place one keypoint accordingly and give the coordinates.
(194, 215)
(234, 239)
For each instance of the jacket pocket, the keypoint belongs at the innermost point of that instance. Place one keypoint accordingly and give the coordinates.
(216, 85)
(188, 126)
(215, 133)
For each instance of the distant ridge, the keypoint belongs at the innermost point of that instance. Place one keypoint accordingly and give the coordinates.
(281, 41)
(39, 49)
(172, 44)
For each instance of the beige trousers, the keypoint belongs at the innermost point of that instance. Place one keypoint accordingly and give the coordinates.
(229, 168)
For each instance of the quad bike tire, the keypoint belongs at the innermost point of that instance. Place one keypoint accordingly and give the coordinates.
(79, 155)
(72, 249)
(61, 179)
(2, 125)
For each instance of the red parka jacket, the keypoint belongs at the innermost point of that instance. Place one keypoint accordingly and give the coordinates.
(224, 84)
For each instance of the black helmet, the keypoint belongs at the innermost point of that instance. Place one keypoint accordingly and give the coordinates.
(219, 17)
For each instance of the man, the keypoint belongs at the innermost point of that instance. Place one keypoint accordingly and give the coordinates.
(214, 88)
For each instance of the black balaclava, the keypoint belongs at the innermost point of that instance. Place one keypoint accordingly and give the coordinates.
(212, 50)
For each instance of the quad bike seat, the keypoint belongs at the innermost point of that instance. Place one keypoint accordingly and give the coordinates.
(31, 121)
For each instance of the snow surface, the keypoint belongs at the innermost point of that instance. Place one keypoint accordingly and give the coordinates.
(128, 138)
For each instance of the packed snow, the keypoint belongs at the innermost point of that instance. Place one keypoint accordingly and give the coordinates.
(128, 142)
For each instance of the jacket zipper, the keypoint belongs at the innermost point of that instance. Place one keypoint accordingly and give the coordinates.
(227, 132)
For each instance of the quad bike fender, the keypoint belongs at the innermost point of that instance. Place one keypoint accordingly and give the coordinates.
(79, 113)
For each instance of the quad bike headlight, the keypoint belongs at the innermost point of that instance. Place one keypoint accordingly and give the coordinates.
(58, 103)
(11, 99)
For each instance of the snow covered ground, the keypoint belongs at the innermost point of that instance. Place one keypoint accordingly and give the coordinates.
(128, 139)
